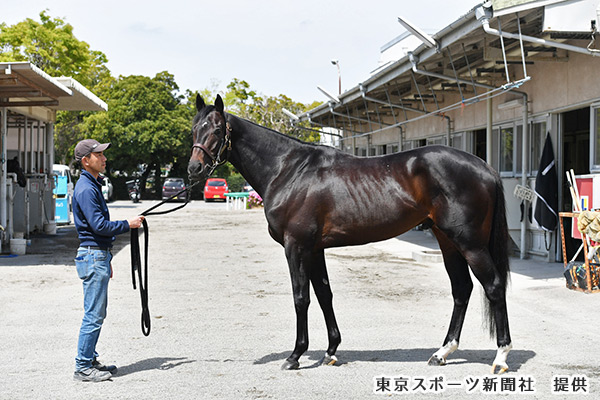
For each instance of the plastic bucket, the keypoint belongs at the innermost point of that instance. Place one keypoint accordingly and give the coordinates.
(18, 246)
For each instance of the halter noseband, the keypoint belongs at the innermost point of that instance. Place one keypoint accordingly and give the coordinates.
(225, 146)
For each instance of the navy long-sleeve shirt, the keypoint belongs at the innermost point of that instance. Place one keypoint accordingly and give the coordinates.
(91, 216)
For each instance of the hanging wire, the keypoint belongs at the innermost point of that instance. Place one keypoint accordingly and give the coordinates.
(367, 111)
(437, 106)
(387, 95)
(503, 51)
(401, 103)
(470, 71)
(418, 90)
(378, 116)
(456, 76)
(522, 50)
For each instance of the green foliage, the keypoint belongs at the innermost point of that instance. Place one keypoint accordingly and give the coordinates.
(268, 110)
(235, 182)
(52, 46)
(148, 123)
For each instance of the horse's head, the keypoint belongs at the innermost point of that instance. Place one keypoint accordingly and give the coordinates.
(211, 140)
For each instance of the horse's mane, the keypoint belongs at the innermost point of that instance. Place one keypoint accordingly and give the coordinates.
(210, 108)
(282, 135)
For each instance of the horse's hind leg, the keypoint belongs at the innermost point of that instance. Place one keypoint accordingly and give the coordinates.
(462, 286)
(320, 282)
(495, 290)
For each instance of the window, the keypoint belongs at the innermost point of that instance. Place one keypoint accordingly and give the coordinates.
(595, 136)
(537, 137)
(518, 153)
(436, 140)
(506, 150)
(457, 141)
(509, 158)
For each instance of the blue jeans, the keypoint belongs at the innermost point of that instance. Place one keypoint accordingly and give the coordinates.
(93, 267)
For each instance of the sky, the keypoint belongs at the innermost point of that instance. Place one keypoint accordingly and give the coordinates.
(277, 46)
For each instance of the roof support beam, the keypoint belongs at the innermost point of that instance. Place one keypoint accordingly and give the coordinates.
(40, 103)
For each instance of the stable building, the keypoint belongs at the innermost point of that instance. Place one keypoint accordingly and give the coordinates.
(29, 100)
(494, 83)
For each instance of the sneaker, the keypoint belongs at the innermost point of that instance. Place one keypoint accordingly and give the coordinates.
(101, 367)
(91, 375)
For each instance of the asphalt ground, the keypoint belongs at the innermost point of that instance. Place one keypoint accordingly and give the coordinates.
(223, 321)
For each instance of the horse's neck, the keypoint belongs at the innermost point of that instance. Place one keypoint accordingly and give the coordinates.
(258, 153)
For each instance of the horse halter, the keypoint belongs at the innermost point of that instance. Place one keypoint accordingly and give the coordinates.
(224, 146)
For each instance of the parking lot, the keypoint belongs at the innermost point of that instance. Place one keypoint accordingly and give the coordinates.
(223, 319)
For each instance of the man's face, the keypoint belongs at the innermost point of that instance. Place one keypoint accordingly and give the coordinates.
(95, 163)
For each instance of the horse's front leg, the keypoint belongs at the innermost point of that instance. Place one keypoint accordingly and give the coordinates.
(298, 262)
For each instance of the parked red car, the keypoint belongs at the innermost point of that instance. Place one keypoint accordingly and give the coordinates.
(215, 189)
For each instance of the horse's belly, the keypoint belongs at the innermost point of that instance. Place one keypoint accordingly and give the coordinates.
(354, 230)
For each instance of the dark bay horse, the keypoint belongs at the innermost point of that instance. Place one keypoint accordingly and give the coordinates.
(317, 197)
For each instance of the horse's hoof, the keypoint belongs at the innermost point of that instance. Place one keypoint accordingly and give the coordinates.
(329, 360)
(500, 360)
(436, 361)
(503, 369)
(290, 365)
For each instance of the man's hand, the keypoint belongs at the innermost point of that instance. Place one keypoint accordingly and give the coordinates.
(136, 222)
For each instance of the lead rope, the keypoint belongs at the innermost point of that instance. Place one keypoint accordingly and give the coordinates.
(136, 262)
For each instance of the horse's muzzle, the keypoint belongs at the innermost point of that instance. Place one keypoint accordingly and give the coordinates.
(196, 171)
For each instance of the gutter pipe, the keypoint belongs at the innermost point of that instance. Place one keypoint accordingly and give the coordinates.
(484, 14)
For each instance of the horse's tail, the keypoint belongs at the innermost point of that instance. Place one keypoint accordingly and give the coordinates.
(498, 250)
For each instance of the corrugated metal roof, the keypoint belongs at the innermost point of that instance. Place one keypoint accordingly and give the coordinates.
(22, 84)
(82, 99)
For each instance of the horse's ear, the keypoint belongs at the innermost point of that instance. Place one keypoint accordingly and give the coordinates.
(219, 104)
(199, 103)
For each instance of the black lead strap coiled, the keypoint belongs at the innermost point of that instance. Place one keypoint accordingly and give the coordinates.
(136, 261)
(136, 264)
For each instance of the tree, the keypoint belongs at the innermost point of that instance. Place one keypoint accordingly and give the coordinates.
(52, 47)
(268, 110)
(146, 123)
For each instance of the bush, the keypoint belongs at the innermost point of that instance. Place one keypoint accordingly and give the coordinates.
(235, 182)
(254, 200)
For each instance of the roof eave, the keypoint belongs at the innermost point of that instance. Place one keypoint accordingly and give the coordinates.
(447, 36)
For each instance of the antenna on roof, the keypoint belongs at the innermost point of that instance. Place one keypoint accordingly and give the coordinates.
(326, 93)
(423, 37)
(290, 114)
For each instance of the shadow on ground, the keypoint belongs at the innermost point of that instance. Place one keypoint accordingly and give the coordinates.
(160, 363)
(516, 357)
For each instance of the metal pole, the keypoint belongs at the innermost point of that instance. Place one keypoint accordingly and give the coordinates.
(50, 141)
(524, 168)
(488, 133)
(3, 165)
(39, 149)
